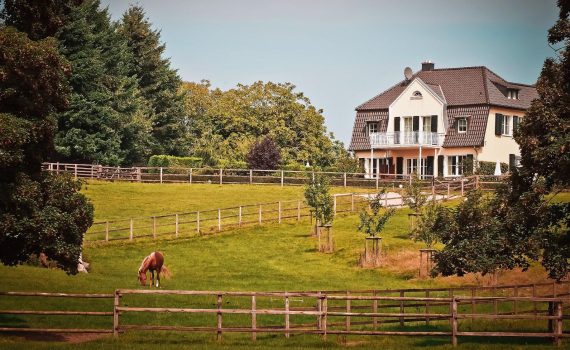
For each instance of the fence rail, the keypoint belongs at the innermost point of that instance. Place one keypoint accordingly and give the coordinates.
(453, 312)
(256, 176)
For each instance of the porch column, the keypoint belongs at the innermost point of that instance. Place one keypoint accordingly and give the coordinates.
(419, 170)
(435, 163)
(366, 167)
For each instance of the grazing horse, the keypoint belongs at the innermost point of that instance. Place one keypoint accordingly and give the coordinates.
(153, 262)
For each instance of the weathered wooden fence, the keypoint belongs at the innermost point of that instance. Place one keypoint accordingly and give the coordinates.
(533, 310)
(259, 177)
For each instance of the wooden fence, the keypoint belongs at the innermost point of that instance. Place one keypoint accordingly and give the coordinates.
(534, 310)
(259, 177)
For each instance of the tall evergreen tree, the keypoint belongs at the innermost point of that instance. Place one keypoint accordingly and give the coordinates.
(106, 121)
(158, 82)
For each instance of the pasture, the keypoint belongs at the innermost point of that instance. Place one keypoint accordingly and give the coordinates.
(260, 258)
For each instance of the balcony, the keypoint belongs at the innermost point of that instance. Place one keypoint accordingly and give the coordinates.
(406, 139)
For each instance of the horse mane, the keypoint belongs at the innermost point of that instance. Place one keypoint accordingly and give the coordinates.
(144, 267)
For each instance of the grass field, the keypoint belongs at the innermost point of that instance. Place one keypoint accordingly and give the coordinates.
(260, 258)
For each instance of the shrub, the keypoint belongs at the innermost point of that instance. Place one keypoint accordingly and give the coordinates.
(174, 162)
(488, 168)
(263, 155)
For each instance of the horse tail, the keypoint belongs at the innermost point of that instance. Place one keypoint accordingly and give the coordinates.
(165, 272)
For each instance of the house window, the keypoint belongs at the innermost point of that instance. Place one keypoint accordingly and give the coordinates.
(372, 128)
(513, 94)
(455, 165)
(462, 125)
(408, 124)
(427, 124)
(507, 119)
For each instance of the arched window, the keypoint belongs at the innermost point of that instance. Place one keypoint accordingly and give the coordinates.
(416, 95)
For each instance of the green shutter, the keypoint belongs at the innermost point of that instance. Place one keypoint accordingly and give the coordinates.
(396, 124)
(470, 164)
(499, 124)
(440, 166)
(399, 165)
(416, 123)
(434, 123)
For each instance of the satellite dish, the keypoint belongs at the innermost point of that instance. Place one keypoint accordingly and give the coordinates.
(408, 73)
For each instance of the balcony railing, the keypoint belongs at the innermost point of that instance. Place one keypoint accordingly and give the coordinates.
(404, 138)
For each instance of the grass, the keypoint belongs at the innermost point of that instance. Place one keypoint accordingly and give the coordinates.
(259, 258)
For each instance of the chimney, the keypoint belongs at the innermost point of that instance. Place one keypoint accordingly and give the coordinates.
(428, 65)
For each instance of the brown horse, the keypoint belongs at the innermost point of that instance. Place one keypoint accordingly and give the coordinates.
(153, 262)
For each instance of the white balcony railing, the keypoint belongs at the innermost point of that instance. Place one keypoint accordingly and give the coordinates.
(405, 138)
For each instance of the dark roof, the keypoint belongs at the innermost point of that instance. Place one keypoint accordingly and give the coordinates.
(476, 125)
(468, 91)
(359, 139)
(461, 86)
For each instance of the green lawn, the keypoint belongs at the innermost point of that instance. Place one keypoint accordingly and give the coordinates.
(258, 258)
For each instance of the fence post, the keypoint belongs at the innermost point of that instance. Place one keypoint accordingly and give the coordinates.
(324, 319)
(190, 176)
(401, 309)
(198, 222)
(298, 210)
(462, 183)
(279, 212)
(253, 318)
(344, 179)
(516, 294)
(281, 178)
(107, 231)
(427, 308)
(221, 176)
(319, 310)
(154, 227)
(176, 225)
(347, 319)
(239, 219)
(558, 327)
(286, 317)
(75, 171)
(535, 306)
(250, 176)
(57, 168)
(377, 182)
(375, 310)
(260, 214)
(454, 322)
(131, 230)
(116, 314)
(219, 219)
(219, 332)
(160, 174)
(91, 171)
(448, 191)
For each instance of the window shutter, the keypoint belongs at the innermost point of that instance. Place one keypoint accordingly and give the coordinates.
(416, 125)
(498, 124)
(434, 123)
(512, 160)
(429, 165)
(390, 165)
(397, 124)
(440, 166)
(399, 165)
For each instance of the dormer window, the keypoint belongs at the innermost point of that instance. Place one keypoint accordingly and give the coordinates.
(513, 94)
(416, 95)
(462, 125)
(372, 127)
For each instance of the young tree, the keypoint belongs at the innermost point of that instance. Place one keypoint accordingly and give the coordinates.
(159, 84)
(318, 197)
(430, 225)
(372, 221)
(414, 198)
(39, 213)
(263, 155)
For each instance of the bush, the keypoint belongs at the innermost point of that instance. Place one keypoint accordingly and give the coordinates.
(174, 162)
(264, 155)
(488, 168)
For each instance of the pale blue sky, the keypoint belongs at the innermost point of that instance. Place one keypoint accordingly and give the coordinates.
(340, 53)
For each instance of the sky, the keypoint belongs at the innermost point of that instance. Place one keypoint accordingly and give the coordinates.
(340, 53)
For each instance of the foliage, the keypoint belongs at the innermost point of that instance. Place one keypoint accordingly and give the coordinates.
(430, 224)
(159, 84)
(488, 168)
(318, 197)
(38, 19)
(174, 162)
(372, 221)
(224, 124)
(38, 212)
(106, 122)
(414, 198)
(263, 155)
